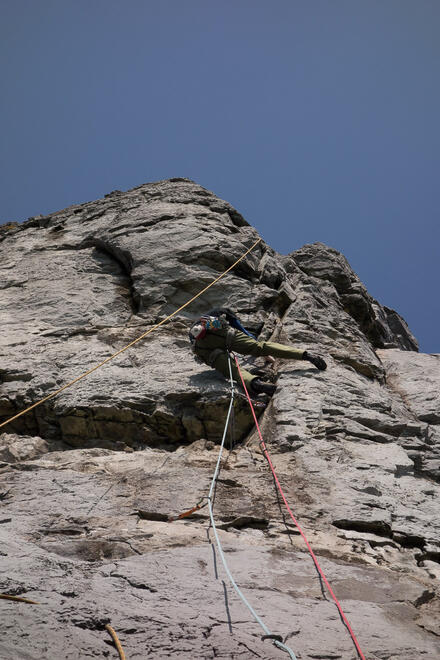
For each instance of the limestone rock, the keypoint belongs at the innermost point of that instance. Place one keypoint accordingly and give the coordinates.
(92, 481)
(15, 448)
(416, 378)
(382, 325)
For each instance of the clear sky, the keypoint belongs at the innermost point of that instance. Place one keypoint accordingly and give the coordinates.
(317, 119)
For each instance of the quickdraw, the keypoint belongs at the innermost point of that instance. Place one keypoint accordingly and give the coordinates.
(195, 508)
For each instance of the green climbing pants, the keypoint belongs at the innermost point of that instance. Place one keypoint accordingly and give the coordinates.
(213, 350)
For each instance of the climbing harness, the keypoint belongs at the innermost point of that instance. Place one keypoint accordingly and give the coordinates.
(315, 560)
(132, 343)
(216, 352)
(267, 634)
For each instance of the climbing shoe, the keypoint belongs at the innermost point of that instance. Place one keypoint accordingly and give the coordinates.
(260, 387)
(316, 360)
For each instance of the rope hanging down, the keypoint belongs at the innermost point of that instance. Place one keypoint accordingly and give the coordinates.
(132, 343)
(114, 637)
(267, 633)
(315, 560)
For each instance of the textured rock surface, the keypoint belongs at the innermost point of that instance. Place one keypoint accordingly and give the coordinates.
(356, 447)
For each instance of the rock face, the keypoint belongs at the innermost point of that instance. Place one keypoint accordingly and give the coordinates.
(89, 478)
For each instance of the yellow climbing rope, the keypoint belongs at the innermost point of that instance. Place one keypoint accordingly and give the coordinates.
(108, 627)
(18, 599)
(116, 641)
(64, 387)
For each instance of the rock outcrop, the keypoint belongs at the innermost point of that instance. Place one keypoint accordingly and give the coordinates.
(89, 478)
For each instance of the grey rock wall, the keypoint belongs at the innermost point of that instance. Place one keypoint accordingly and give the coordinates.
(356, 447)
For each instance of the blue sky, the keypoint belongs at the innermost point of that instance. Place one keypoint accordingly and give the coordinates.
(317, 119)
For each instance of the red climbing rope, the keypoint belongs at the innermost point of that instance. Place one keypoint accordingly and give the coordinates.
(318, 567)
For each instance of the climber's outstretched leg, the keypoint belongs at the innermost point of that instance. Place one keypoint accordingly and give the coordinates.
(248, 346)
(213, 350)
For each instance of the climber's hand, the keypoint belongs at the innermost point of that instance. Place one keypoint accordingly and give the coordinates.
(271, 360)
(316, 360)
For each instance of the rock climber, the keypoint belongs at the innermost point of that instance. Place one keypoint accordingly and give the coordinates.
(220, 331)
